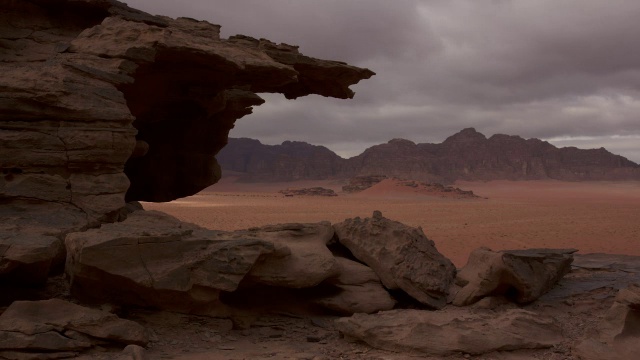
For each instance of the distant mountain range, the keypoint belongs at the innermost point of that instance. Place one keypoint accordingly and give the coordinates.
(467, 155)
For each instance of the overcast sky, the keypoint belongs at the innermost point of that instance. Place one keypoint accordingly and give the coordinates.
(566, 71)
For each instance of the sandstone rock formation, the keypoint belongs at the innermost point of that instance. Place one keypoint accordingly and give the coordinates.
(467, 155)
(314, 191)
(401, 256)
(436, 188)
(102, 103)
(152, 259)
(398, 187)
(59, 328)
(359, 290)
(520, 275)
(359, 183)
(618, 335)
(446, 332)
(99, 100)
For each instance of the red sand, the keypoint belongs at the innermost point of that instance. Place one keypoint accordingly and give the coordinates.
(589, 216)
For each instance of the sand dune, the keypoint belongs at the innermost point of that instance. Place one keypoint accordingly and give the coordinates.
(589, 216)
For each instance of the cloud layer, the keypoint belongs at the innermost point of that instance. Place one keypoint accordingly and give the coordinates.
(567, 71)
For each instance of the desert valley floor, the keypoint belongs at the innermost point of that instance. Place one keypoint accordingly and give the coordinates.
(593, 217)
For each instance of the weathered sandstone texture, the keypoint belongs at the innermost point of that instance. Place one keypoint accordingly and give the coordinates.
(449, 331)
(519, 275)
(401, 256)
(100, 102)
(55, 326)
(300, 258)
(152, 259)
(618, 334)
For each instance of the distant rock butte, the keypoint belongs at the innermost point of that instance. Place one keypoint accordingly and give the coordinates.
(314, 191)
(380, 184)
(467, 155)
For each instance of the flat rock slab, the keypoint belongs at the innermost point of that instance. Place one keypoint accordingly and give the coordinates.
(591, 272)
(402, 256)
(59, 326)
(520, 275)
(450, 331)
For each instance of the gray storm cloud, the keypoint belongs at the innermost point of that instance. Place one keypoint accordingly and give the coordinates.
(566, 71)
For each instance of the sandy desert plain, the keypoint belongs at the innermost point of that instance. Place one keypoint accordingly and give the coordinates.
(593, 217)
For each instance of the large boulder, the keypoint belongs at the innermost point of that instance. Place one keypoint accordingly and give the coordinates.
(618, 334)
(153, 259)
(52, 326)
(300, 258)
(359, 290)
(520, 275)
(402, 256)
(451, 331)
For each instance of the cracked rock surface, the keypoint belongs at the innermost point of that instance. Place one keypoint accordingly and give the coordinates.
(153, 259)
(59, 326)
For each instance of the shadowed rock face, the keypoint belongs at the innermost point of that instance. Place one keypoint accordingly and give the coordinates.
(98, 100)
(466, 155)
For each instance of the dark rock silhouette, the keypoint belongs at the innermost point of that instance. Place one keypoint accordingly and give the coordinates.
(314, 191)
(467, 155)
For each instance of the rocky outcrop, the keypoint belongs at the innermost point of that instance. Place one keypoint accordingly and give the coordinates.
(314, 191)
(467, 155)
(446, 332)
(59, 328)
(519, 275)
(436, 188)
(101, 102)
(152, 259)
(401, 256)
(360, 183)
(618, 334)
(399, 187)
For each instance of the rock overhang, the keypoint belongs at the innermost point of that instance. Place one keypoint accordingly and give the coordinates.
(101, 104)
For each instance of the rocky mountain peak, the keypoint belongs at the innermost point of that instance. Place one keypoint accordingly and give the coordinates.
(401, 142)
(466, 155)
(465, 136)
